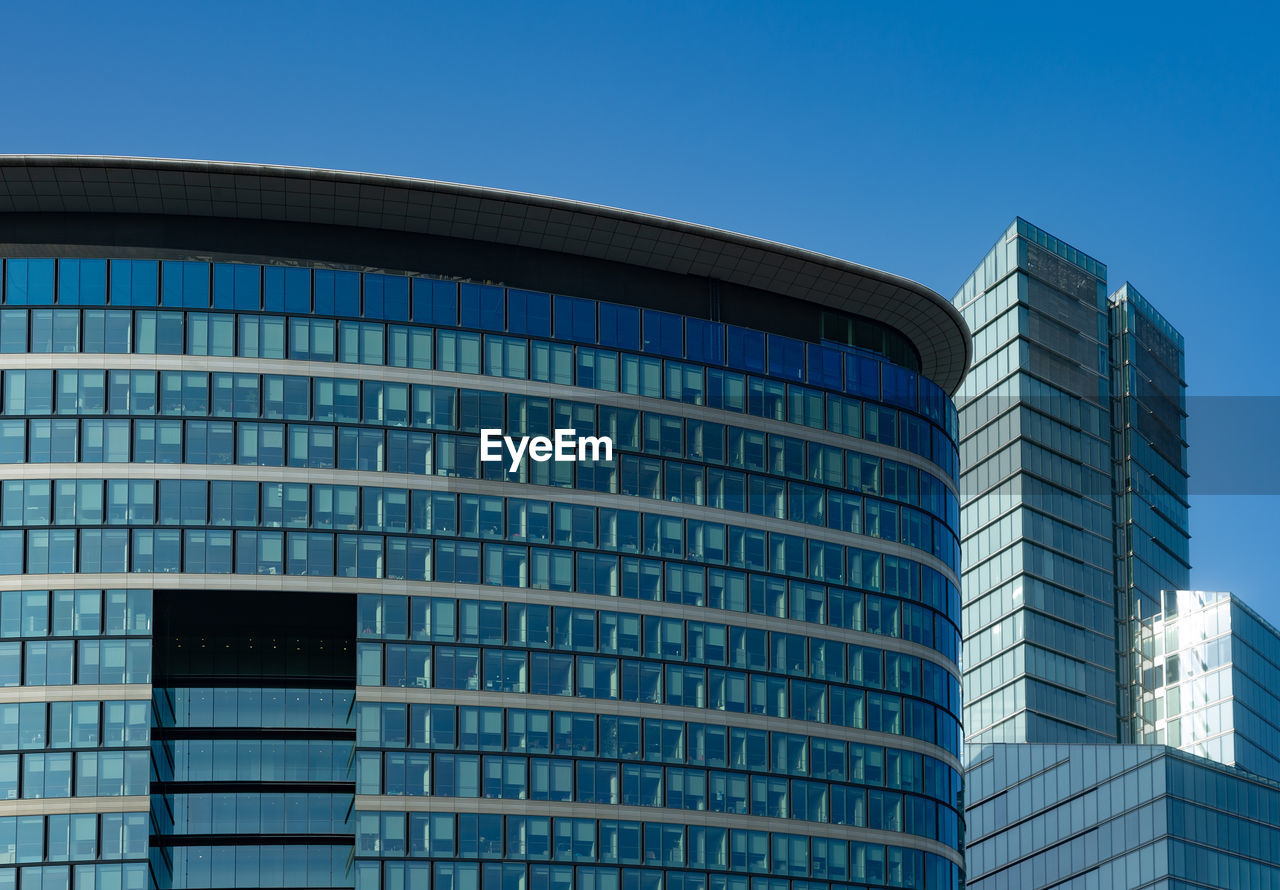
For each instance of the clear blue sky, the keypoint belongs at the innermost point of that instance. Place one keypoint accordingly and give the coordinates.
(1147, 137)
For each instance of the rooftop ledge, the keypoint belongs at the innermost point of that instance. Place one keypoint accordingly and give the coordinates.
(155, 186)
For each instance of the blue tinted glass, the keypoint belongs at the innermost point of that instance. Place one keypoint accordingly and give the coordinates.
(745, 349)
(899, 386)
(575, 319)
(184, 284)
(337, 293)
(862, 376)
(786, 357)
(482, 306)
(29, 282)
(619, 326)
(82, 282)
(529, 312)
(932, 401)
(435, 302)
(825, 366)
(704, 341)
(237, 286)
(373, 303)
(395, 298)
(386, 296)
(135, 282)
(663, 333)
(286, 289)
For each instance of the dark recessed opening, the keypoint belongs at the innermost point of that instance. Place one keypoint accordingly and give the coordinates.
(241, 638)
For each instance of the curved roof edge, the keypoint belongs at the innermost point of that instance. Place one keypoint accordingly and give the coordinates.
(101, 184)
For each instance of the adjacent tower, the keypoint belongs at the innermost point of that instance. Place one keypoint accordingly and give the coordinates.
(1074, 485)
(1036, 494)
(1149, 445)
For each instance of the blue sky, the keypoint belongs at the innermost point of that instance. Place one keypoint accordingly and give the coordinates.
(1144, 135)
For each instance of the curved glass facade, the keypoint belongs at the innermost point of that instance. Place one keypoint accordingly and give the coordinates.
(246, 504)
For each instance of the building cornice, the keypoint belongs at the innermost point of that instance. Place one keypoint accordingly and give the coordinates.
(165, 187)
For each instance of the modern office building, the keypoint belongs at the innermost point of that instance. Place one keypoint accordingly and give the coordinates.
(1210, 671)
(1096, 817)
(1150, 449)
(1074, 470)
(269, 620)
(1073, 489)
(1149, 453)
(1036, 496)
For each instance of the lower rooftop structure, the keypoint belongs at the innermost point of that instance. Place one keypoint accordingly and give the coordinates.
(1210, 671)
(1195, 805)
(1142, 817)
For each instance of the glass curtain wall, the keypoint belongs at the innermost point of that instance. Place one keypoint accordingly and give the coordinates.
(252, 740)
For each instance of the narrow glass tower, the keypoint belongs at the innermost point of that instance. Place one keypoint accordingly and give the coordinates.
(1149, 444)
(1036, 494)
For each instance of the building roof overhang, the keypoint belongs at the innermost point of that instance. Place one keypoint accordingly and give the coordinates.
(125, 185)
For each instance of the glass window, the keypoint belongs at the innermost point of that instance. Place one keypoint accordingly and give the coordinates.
(482, 307)
(158, 333)
(825, 366)
(663, 333)
(409, 347)
(862, 376)
(552, 362)
(529, 312)
(29, 282)
(337, 293)
(13, 330)
(435, 302)
(506, 356)
(745, 349)
(642, 376)
(619, 326)
(575, 319)
(55, 330)
(184, 284)
(237, 286)
(135, 282)
(704, 341)
(727, 390)
(82, 282)
(386, 296)
(286, 289)
(786, 357)
(458, 351)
